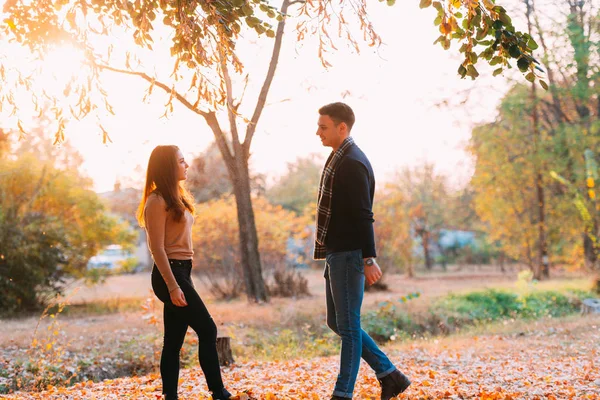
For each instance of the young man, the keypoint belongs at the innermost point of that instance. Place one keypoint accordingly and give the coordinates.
(345, 239)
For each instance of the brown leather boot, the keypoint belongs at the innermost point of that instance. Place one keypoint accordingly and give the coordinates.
(393, 384)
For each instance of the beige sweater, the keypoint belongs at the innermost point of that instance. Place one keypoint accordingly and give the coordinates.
(167, 238)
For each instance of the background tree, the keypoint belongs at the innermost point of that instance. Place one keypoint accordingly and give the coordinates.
(393, 231)
(297, 188)
(547, 133)
(215, 229)
(505, 181)
(425, 196)
(51, 224)
(208, 178)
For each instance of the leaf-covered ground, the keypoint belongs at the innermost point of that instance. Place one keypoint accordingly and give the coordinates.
(556, 360)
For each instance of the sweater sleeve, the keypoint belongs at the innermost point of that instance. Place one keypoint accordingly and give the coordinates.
(353, 179)
(155, 218)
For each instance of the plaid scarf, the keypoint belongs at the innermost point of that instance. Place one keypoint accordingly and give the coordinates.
(325, 195)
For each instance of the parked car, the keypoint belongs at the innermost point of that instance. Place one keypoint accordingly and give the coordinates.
(113, 258)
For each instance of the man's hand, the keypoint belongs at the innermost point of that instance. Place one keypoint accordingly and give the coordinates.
(372, 273)
(178, 298)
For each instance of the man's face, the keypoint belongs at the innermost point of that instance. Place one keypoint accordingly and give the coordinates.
(330, 134)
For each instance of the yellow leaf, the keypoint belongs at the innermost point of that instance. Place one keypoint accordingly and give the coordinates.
(10, 24)
(590, 182)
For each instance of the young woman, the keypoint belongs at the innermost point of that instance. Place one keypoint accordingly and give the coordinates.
(166, 211)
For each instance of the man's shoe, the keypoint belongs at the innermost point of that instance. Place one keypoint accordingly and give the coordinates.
(393, 384)
(224, 395)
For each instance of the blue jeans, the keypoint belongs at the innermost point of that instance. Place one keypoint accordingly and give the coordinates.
(345, 286)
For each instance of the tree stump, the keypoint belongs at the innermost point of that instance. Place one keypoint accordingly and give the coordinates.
(224, 350)
(590, 306)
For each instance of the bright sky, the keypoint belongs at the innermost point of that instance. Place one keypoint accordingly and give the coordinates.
(392, 90)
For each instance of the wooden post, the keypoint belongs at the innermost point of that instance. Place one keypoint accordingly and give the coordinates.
(224, 350)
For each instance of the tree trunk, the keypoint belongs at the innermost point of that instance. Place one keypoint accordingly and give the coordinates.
(237, 167)
(541, 269)
(426, 253)
(590, 252)
(255, 285)
(410, 270)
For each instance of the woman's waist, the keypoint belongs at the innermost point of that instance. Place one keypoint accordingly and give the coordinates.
(178, 252)
(173, 262)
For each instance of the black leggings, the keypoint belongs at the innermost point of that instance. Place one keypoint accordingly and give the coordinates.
(177, 320)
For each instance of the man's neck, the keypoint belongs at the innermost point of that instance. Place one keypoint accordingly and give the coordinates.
(336, 147)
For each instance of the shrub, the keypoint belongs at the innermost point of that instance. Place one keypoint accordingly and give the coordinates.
(216, 240)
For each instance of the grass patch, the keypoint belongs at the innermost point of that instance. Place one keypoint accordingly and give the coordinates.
(307, 341)
(102, 307)
(455, 312)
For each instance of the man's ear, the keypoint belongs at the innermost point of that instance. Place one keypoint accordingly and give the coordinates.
(343, 128)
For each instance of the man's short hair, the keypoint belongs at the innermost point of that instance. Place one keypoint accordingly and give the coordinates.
(339, 112)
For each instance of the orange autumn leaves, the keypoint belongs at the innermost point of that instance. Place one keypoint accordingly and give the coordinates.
(557, 362)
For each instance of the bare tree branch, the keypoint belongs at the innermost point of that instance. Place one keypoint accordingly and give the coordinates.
(161, 85)
(209, 116)
(262, 98)
(231, 110)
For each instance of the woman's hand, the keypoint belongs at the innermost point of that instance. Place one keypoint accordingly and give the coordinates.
(178, 298)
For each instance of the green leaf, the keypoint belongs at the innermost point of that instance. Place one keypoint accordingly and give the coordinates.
(514, 51)
(544, 85)
(425, 3)
(496, 60)
(532, 44)
(462, 71)
(438, 6)
(437, 20)
(505, 19)
(458, 15)
(523, 64)
(247, 10)
(497, 71)
(391, 2)
(530, 77)
(472, 72)
(446, 43)
(497, 24)
(252, 21)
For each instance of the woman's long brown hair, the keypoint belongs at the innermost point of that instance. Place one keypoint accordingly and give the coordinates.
(162, 178)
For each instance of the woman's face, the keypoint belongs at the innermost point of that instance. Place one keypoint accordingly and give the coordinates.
(182, 166)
